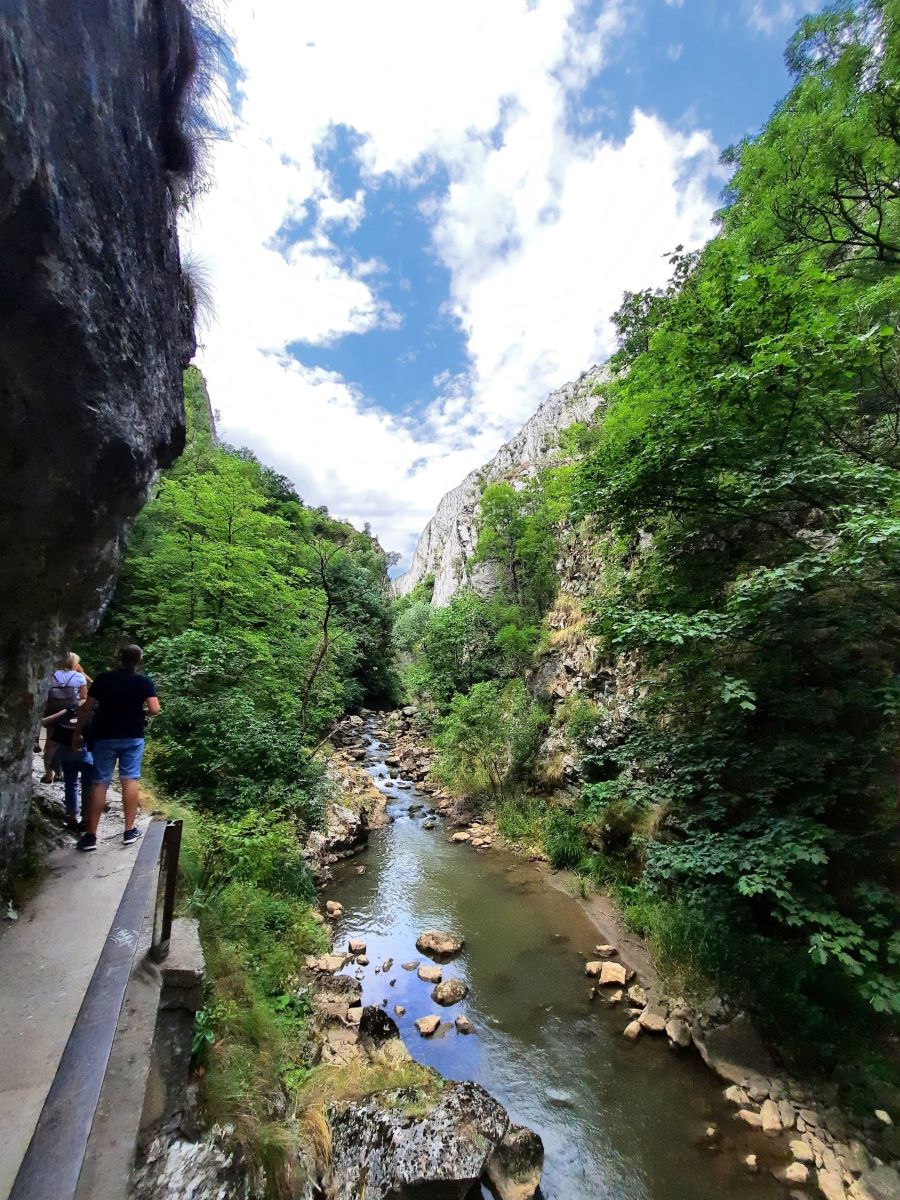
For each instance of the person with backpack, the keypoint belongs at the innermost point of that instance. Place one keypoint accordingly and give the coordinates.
(118, 703)
(77, 764)
(68, 688)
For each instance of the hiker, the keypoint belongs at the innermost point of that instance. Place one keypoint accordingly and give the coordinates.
(68, 687)
(77, 764)
(117, 703)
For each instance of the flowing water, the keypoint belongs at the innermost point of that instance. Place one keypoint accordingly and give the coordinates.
(619, 1120)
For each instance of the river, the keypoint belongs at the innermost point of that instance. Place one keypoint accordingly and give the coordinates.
(619, 1120)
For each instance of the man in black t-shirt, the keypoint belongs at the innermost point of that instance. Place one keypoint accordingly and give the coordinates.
(118, 701)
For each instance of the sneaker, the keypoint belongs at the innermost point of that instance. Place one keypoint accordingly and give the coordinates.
(87, 841)
(130, 836)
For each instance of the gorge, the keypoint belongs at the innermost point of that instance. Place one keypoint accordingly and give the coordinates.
(627, 725)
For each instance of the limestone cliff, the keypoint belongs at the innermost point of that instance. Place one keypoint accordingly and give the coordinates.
(95, 325)
(448, 540)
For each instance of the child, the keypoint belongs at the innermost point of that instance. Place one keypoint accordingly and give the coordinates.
(75, 763)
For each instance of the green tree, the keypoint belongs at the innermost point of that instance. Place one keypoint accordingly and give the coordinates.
(488, 737)
(752, 438)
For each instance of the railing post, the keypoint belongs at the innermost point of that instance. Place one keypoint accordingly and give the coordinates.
(165, 891)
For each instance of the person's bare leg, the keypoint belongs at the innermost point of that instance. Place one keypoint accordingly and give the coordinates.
(130, 798)
(95, 807)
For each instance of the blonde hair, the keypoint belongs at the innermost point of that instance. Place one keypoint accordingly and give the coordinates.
(70, 661)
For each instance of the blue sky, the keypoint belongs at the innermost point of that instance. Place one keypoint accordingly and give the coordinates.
(428, 209)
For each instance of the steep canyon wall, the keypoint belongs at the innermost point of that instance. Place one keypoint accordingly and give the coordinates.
(448, 540)
(95, 322)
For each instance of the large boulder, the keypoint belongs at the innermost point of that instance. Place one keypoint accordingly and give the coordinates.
(449, 992)
(881, 1183)
(95, 323)
(733, 1051)
(439, 944)
(382, 1152)
(514, 1168)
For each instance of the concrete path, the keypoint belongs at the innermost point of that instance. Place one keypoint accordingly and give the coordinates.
(47, 958)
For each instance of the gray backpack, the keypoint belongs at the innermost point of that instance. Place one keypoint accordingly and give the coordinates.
(63, 692)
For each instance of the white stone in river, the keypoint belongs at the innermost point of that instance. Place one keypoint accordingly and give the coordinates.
(613, 973)
(770, 1117)
(802, 1151)
(430, 974)
(427, 1025)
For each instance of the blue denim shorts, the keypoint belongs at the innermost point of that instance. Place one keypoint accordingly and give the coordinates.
(128, 752)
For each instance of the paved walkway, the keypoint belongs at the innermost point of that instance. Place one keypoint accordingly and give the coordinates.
(47, 958)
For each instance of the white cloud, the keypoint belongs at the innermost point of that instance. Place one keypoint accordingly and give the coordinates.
(541, 229)
(772, 16)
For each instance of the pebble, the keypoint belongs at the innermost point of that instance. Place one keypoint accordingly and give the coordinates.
(427, 1025)
(399, 1010)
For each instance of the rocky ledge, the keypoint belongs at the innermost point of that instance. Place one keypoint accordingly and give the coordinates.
(384, 1153)
(406, 1142)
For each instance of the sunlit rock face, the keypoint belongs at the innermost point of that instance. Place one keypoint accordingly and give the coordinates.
(95, 326)
(447, 542)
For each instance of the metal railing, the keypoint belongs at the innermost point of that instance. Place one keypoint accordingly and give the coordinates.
(53, 1161)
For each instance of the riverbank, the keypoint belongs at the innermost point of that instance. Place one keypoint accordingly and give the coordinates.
(799, 1132)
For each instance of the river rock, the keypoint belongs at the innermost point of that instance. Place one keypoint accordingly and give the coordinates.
(637, 995)
(428, 1025)
(653, 1019)
(787, 1114)
(593, 968)
(604, 951)
(326, 964)
(831, 1185)
(429, 824)
(736, 1095)
(362, 960)
(751, 1163)
(881, 1183)
(463, 1025)
(749, 1117)
(632, 1031)
(399, 1010)
(796, 1172)
(439, 944)
(410, 966)
(613, 973)
(387, 964)
(678, 1032)
(333, 909)
(449, 992)
(514, 1166)
(379, 1152)
(356, 947)
(882, 1115)
(770, 1117)
(430, 974)
(802, 1151)
(733, 1051)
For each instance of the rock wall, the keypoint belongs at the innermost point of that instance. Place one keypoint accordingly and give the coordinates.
(448, 540)
(95, 324)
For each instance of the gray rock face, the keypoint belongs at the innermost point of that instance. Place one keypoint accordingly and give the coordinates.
(448, 540)
(382, 1153)
(95, 323)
